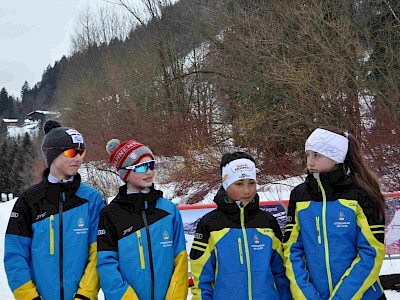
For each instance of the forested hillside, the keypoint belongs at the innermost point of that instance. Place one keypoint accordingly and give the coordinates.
(198, 77)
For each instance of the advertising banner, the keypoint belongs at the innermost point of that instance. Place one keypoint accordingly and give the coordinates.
(191, 215)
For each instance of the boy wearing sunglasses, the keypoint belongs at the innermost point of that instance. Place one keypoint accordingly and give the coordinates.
(50, 243)
(141, 242)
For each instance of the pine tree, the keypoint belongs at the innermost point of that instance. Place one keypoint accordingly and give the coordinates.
(25, 88)
(3, 101)
(5, 166)
(21, 166)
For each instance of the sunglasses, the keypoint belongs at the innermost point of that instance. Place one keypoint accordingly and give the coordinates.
(69, 152)
(142, 167)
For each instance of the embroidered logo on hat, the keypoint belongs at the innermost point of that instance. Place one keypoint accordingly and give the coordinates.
(75, 136)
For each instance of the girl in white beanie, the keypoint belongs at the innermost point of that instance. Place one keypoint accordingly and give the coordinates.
(334, 238)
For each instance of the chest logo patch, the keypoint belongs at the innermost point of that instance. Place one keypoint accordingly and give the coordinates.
(257, 246)
(256, 240)
(166, 243)
(81, 227)
(342, 223)
(165, 235)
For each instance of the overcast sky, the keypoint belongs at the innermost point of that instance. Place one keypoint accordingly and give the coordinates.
(34, 34)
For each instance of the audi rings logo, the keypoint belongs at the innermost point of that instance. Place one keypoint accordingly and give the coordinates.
(14, 215)
(101, 232)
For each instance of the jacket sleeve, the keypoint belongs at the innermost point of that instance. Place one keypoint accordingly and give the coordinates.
(179, 284)
(364, 271)
(277, 263)
(111, 281)
(202, 263)
(296, 269)
(90, 283)
(17, 251)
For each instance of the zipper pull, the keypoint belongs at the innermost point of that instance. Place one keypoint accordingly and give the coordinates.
(318, 229)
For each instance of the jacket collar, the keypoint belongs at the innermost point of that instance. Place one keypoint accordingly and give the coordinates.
(334, 183)
(53, 190)
(138, 201)
(233, 208)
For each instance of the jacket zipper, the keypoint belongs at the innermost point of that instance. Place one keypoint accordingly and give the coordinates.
(318, 229)
(51, 220)
(60, 212)
(240, 250)
(144, 217)
(246, 248)
(325, 232)
(141, 254)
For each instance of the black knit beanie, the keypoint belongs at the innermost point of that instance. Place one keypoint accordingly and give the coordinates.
(57, 139)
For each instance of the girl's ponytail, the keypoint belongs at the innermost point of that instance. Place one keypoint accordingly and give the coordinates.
(362, 175)
(360, 172)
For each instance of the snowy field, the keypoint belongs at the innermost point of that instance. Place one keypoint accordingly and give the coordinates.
(389, 266)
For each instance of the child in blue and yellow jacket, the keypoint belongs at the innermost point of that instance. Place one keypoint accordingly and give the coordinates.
(141, 243)
(237, 251)
(334, 236)
(50, 245)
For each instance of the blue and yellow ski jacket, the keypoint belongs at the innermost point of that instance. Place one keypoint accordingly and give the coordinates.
(237, 254)
(333, 241)
(141, 248)
(50, 243)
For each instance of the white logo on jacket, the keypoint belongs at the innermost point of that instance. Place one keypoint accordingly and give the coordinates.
(167, 242)
(127, 230)
(81, 227)
(41, 216)
(341, 223)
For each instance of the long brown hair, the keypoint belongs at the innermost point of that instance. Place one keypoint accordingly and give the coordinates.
(360, 172)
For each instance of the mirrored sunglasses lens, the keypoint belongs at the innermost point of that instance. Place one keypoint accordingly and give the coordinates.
(82, 153)
(152, 165)
(71, 153)
(142, 168)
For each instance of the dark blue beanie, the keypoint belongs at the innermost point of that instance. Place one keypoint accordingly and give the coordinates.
(57, 139)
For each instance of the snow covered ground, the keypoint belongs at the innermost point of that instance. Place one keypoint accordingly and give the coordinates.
(389, 266)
